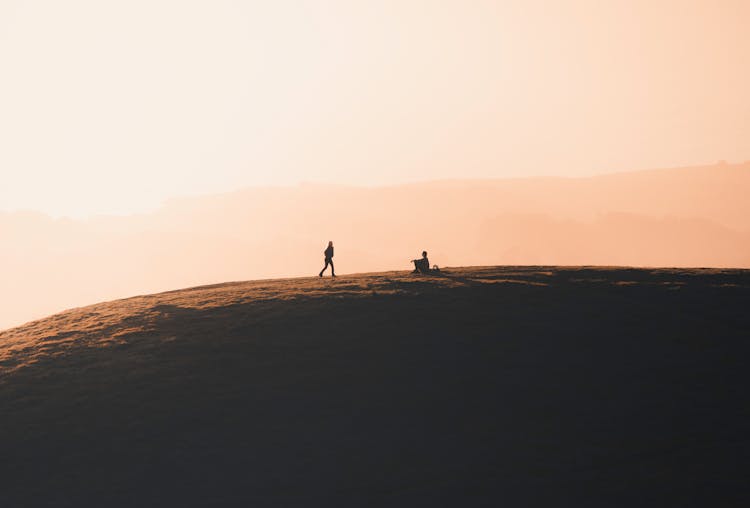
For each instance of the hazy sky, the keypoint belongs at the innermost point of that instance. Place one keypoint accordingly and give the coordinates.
(112, 106)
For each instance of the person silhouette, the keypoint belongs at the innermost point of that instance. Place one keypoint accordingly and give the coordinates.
(421, 265)
(328, 253)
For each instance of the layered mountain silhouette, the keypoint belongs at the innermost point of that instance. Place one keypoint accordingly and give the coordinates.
(513, 386)
(697, 217)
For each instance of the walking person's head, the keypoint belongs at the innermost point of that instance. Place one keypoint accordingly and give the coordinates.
(424, 253)
(330, 243)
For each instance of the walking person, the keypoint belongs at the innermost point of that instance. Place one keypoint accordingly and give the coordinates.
(328, 253)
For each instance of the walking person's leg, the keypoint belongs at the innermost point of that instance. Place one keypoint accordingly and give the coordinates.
(333, 272)
(328, 262)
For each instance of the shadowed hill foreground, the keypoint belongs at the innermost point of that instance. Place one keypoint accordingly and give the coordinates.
(476, 387)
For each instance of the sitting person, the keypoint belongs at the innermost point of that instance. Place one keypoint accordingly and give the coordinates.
(422, 265)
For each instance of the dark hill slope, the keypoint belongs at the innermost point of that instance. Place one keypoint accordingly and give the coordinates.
(479, 387)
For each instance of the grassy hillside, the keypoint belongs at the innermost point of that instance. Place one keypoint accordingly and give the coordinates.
(477, 387)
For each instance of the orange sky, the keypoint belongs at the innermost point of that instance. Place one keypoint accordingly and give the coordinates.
(116, 106)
